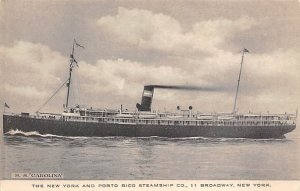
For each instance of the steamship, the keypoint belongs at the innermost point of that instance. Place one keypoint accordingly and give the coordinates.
(143, 122)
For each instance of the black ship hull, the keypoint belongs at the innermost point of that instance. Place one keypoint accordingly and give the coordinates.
(92, 129)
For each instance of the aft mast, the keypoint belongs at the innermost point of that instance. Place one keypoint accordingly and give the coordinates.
(72, 62)
(239, 79)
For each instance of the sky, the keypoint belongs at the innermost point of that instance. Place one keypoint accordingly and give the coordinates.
(130, 43)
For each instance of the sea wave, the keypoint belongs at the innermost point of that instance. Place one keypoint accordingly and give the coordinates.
(18, 132)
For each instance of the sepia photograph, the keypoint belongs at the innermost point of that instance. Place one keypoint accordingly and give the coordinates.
(150, 90)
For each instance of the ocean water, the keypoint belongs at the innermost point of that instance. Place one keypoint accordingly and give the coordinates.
(126, 158)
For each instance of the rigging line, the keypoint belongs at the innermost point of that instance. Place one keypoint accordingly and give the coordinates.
(239, 79)
(74, 92)
(52, 95)
(78, 88)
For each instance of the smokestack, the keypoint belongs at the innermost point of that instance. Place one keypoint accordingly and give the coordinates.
(146, 99)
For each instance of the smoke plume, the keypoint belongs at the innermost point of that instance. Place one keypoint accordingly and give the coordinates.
(187, 87)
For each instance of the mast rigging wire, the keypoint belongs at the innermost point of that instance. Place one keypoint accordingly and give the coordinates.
(52, 95)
